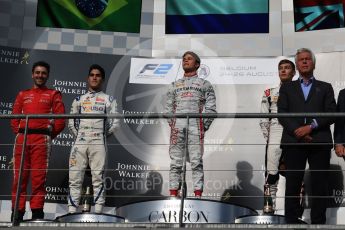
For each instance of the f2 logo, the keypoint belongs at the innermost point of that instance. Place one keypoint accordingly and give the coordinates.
(157, 68)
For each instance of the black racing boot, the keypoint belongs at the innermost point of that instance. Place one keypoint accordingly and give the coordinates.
(19, 217)
(37, 213)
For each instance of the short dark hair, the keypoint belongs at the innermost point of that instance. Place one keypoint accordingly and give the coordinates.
(40, 63)
(196, 57)
(286, 61)
(98, 67)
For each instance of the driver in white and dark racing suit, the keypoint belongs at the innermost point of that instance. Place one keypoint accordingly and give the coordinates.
(90, 143)
(271, 129)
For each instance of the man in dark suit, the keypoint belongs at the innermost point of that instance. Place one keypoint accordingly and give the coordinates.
(339, 128)
(306, 138)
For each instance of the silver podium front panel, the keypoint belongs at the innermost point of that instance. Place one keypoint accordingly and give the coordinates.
(89, 218)
(265, 219)
(195, 211)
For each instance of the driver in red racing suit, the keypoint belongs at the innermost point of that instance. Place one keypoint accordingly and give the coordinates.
(37, 100)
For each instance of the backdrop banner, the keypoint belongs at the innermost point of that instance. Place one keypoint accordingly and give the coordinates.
(138, 160)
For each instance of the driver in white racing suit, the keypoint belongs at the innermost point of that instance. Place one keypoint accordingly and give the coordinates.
(271, 129)
(191, 94)
(90, 143)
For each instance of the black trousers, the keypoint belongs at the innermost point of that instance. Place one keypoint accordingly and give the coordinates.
(318, 159)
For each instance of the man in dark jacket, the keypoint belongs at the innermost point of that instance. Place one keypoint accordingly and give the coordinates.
(306, 138)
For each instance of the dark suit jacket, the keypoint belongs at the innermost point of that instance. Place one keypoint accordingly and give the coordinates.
(339, 128)
(320, 99)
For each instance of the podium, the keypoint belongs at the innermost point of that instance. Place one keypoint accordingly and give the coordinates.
(194, 211)
(89, 218)
(265, 219)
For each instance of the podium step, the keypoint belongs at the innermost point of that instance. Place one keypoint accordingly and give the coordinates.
(194, 211)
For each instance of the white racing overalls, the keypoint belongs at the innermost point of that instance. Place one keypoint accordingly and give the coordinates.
(189, 95)
(90, 146)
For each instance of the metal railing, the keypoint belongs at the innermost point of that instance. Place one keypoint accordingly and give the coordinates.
(188, 116)
(176, 115)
